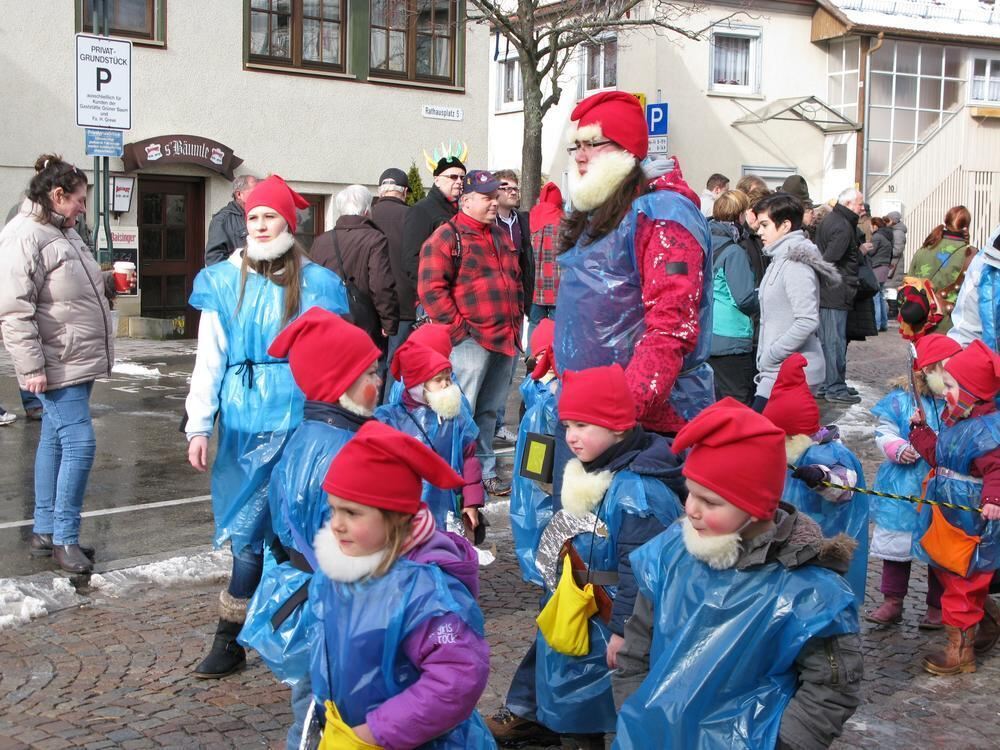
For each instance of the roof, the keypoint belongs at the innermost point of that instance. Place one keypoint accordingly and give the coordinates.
(935, 19)
(809, 109)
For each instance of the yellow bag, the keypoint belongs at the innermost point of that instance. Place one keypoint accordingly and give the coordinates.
(947, 546)
(564, 621)
(338, 736)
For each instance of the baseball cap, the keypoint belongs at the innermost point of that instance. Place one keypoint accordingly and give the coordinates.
(480, 181)
(398, 176)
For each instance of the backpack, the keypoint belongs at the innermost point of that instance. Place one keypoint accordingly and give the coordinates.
(362, 308)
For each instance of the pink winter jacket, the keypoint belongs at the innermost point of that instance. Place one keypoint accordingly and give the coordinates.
(54, 314)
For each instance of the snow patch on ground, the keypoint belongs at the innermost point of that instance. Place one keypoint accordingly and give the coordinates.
(204, 567)
(131, 368)
(23, 599)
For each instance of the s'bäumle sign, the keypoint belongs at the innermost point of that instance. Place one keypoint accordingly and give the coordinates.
(181, 149)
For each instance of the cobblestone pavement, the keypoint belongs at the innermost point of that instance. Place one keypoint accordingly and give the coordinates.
(115, 673)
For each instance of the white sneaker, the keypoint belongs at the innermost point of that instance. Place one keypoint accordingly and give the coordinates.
(7, 417)
(505, 435)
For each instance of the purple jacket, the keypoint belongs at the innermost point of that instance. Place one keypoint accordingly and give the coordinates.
(454, 660)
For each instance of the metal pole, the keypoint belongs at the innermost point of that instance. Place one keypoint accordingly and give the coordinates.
(107, 162)
(96, 11)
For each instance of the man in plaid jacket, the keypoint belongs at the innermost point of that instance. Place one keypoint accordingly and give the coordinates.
(470, 280)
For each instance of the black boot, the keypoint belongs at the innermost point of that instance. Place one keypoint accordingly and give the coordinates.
(41, 546)
(226, 656)
(70, 558)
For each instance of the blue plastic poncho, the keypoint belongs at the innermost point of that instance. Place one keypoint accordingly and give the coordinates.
(957, 447)
(599, 311)
(722, 660)
(358, 660)
(299, 508)
(530, 505)
(900, 479)
(448, 438)
(259, 403)
(989, 299)
(850, 517)
(573, 693)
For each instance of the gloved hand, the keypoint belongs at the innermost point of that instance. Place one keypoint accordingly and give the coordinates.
(811, 474)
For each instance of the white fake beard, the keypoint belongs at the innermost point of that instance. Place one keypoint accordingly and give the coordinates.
(935, 382)
(718, 552)
(795, 446)
(271, 249)
(582, 491)
(446, 403)
(340, 567)
(354, 407)
(605, 174)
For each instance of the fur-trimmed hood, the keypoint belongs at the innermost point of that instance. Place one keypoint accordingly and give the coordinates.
(798, 248)
(796, 540)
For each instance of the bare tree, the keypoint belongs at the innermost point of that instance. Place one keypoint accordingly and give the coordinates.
(546, 35)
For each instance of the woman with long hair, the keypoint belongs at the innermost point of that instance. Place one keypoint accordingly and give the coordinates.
(245, 302)
(944, 258)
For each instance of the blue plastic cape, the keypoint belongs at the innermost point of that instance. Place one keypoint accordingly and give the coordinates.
(849, 517)
(530, 505)
(259, 403)
(358, 660)
(298, 509)
(957, 448)
(900, 479)
(599, 311)
(722, 660)
(574, 692)
(448, 438)
(989, 298)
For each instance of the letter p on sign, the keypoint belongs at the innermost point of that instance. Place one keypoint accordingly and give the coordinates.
(103, 77)
(656, 118)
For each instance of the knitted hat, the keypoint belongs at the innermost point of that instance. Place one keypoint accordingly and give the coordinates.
(434, 335)
(275, 193)
(736, 453)
(615, 115)
(414, 363)
(598, 396)
(307, 342)
(384, 468)
(977, 370)
(933, 348)
(796, 185)
(791, 406)
(448, 162)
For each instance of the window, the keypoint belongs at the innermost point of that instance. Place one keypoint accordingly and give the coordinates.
(985, 80)
(298, 33)
(509, 94)
(774, 177)
(601, 64)
(413, 39)
(134, 19)
(842, 76)
(310, 220)
(735, 61)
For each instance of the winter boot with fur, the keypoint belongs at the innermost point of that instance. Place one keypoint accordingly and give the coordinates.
(889, 613)
(988, 631)
(227, 656)
(958, 655)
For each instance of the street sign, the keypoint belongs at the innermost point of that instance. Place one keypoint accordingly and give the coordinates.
(658, 145)
(100, 142)
(103, 82)
(641, 97)
(656, 118)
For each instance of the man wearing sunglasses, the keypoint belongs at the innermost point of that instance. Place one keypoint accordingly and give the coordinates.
(438, 206)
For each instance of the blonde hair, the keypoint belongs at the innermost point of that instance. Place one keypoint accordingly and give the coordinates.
(730, 205)
(397, 530)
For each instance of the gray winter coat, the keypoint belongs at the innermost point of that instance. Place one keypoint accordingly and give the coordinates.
(789, 306)
(829, 669)
(54, 310)
(898, 249)
(226, 232)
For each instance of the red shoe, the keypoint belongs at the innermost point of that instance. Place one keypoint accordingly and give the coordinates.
(889, 613)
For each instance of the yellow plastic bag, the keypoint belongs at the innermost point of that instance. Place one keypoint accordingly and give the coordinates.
(338, 736)
(564, 621)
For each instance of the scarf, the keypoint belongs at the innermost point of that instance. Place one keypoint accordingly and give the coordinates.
(333, 414)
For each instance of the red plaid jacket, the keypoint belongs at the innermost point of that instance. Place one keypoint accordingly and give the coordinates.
(478, 294)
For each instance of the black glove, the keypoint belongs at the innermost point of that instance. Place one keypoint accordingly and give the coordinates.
(811, 474)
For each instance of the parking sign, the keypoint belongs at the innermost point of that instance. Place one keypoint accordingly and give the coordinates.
(103, 82)
(656, 118)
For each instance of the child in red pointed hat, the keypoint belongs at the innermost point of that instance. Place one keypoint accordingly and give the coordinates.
(431, 410)
(745, 593)
(902, 473)
(395, 594)
(964, 545)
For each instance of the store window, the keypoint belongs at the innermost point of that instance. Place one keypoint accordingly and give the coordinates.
(413, 39)
(842, 76)
(298, 33)
(735, 61)
(509, 93)
(985, 80)
(132, 19)
(310, 224)
(600, 65)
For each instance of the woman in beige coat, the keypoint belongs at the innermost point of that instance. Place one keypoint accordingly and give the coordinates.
(56, 325)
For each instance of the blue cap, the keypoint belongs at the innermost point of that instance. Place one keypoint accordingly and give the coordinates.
(480, 181)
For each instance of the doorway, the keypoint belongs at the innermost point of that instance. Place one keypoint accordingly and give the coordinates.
(171, 248)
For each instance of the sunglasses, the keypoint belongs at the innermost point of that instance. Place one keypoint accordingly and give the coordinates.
(452, 177)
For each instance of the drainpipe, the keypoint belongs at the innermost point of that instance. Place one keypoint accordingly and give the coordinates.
(867, 109)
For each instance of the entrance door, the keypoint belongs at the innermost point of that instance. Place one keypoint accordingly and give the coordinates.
(171, 247)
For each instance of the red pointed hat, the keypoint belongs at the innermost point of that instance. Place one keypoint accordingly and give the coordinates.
(791, 406)
(977, 370)
(414, 363)
(933, 348)
(543, 336)
(620, 118)
(599, 395)
(736, 453)
(275, 193)
(384, 468)
(435, 336)
(307, 342)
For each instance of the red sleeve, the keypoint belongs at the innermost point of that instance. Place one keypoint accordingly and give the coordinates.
(988, 467)
(473, 493)
(435, 278)
(924, 440)
(670, 264)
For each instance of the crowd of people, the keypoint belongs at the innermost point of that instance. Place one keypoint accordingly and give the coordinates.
(699, 537)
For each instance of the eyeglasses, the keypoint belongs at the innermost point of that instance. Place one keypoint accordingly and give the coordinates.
(510, 188)
(452, 177)
(585, 146)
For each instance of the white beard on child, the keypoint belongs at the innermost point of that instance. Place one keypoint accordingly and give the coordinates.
(447, 402)
(337, 565)
(270, 250)
(935, 382)
(354, 407)
(718, 552)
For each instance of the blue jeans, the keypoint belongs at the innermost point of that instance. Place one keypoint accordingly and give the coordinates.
(395, 341)
(833, 338)
(502, 411)
(535, 315)
(301, 698)
(484, 378)
(29, 401)
(521, 698)
(248, 566)
(881, 310)
(63, 461)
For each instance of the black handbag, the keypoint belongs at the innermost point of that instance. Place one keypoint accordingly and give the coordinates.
(868, 285)
(362, 308)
